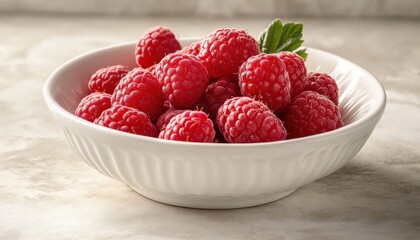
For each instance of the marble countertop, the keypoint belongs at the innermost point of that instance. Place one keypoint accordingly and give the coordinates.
(46, 192)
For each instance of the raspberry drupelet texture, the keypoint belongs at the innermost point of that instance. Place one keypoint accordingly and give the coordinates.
(91, 106)
(189, 126)
(127, 119)
(264, 77)
(296, 70)
(245, 120)
(164, 119)
(106, 79)
(193, 48)
(311, 113)
(224, 50)
(216, 94)
(152, 69)
(183, 78)
(140, 89)
(323, 84)
(154, 45)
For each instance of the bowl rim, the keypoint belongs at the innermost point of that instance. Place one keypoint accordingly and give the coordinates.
(378, 109)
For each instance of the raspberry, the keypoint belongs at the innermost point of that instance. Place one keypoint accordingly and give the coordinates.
(183, 78)
(164, 119)
(140, 89)
(264, 77)
(106, 79)
(152, 69)
(245, 120)
(217, 93)
(166, 107)
(189, 126)
(224, 50)
(127, 119)
(296, 69)
(323, 84)
(233, 79)
(193, 48)
(154, 45)
(311, 113)
(91, 106)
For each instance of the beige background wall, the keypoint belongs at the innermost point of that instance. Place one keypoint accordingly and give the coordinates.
(225, 8)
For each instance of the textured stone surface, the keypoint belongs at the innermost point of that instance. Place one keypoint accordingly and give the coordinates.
(46, 192)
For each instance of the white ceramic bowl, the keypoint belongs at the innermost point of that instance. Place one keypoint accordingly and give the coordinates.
(208, 175)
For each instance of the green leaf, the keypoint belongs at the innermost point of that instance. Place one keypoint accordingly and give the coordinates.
(291, 45)
(291, 31)
(302, 53)
(278, 37)
(269, 39)
(295, 46)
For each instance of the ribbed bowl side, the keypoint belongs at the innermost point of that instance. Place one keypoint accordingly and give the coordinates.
(195, 173)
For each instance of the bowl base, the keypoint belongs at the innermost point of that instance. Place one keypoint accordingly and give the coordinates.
(212, 202)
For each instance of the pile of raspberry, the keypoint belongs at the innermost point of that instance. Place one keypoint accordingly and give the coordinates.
(220, 89)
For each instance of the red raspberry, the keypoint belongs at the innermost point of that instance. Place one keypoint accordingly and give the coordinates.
(106, 79)
(224, 50)
(154, 45)
(166, 107)
(140, 89)
(127, 119)
(264, 77)
(311, 113)
(164, 119)
(193, 48)
(91, 106)
(245, 120)
(217, 93)
(296, 69)
(230, 79)
(323, 84)
(189, 126)
(152, 69)
(183, 78)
